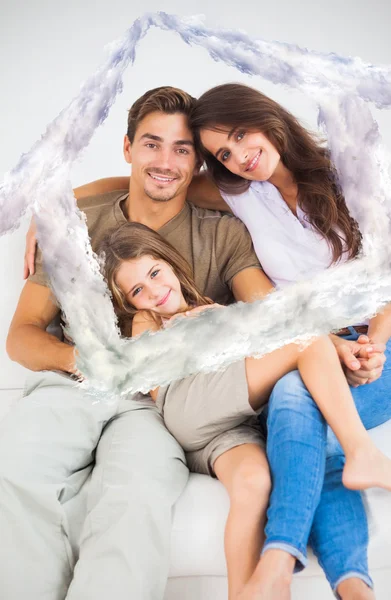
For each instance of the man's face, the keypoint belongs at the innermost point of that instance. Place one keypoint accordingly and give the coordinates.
(162, 155)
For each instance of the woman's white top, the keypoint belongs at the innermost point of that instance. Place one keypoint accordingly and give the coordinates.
(288, 247)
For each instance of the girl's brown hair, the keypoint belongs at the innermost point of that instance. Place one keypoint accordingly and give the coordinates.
(234, 106)
(132, 241)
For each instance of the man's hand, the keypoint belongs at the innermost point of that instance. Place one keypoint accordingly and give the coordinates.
(362, 361)
(30, 250)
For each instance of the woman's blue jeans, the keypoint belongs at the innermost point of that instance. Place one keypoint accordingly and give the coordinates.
(309, 503)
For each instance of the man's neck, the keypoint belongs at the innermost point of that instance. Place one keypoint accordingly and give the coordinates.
(152, 213)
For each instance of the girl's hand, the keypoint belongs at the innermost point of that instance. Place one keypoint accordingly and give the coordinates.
(193, 312)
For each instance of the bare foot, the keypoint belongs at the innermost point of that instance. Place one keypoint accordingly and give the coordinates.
(368, 467)
(276, 590)
(355, 589)
(271, 579)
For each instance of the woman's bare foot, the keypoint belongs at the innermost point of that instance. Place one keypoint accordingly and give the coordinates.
(355, 589)
(367, 467)
(271, 579)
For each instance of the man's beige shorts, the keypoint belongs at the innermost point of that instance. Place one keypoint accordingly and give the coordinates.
(209, 413)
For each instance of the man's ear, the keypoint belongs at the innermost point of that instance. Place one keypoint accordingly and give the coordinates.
(127, 150)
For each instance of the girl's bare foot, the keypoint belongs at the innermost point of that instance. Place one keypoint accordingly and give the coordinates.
(355, 589)
(367, 467)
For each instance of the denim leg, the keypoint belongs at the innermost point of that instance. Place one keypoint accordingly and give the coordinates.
(339, 535)
(296, 447)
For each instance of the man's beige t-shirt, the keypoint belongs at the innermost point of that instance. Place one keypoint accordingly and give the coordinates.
(216, 246)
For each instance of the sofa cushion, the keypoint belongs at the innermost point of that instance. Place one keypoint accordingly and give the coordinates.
(201, 512)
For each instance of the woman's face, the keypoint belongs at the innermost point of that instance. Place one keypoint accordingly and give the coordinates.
(248, 154)
(151, 284)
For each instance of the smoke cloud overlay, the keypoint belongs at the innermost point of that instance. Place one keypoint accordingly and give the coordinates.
(343, 88)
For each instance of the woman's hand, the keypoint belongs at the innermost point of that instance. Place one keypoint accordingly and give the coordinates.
(372, 364)
(30, 250)
(362, 361)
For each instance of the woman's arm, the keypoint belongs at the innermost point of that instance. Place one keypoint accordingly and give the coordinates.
(379, 330)
(202, 191)
(205, 194)
(369, 363)
(94, 188)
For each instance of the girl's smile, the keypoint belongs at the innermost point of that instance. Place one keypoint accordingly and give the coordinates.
(151, 284)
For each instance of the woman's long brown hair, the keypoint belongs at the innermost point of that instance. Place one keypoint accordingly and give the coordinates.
(234, 106)
(132, 241)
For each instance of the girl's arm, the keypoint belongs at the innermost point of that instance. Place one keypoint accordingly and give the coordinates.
(143, 321)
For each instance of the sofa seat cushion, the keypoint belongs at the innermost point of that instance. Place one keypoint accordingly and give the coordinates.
(201, 512)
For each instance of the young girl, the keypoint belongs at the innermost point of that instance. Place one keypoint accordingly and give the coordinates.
(151, 284)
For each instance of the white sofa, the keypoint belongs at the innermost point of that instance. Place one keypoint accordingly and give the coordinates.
(197, 556)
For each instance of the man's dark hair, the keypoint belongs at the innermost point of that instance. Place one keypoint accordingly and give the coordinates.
(164, 99)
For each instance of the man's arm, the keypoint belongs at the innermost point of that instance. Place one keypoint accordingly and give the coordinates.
(237, 262)
(251, 284)
(28, 343)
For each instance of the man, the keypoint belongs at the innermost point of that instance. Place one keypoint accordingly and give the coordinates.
(49, 440)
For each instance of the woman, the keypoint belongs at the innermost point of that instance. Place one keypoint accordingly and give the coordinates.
(278, 180)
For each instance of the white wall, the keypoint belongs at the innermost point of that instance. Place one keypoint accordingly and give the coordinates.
(49, 47)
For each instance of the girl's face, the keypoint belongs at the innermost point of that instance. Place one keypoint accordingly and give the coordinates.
(151, 284)
(248, 154)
